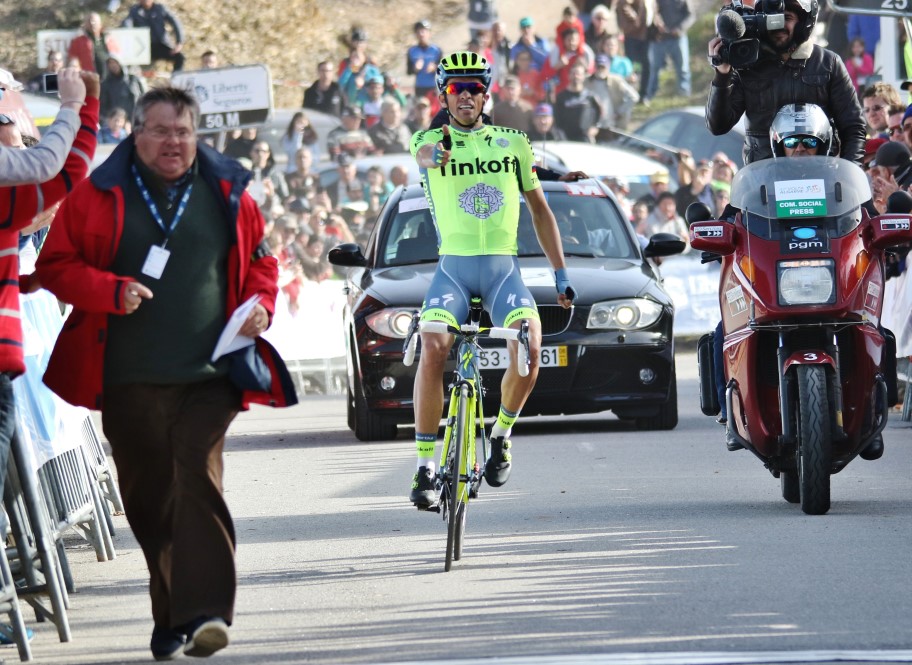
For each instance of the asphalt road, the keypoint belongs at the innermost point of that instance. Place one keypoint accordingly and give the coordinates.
(607, 546)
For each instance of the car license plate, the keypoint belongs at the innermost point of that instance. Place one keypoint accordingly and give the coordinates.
(499, 358)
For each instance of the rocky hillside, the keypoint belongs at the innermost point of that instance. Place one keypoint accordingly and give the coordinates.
(291, 36)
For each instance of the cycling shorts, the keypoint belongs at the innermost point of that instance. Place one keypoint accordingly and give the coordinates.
(493, 278)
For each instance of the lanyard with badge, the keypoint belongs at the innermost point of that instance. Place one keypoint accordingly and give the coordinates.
(158, 257)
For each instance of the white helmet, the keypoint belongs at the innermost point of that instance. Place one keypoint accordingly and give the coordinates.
(801, 120)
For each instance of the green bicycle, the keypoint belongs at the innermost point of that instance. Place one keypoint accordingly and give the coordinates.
(460, 472)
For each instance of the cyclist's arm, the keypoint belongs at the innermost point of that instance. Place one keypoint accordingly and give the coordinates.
(545, 227)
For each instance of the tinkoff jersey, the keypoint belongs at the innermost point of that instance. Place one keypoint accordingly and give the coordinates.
(474, 199)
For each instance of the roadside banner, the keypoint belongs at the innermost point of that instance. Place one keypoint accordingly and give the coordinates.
(694, 288)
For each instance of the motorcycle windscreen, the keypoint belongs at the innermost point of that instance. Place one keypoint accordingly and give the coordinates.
(789, 189)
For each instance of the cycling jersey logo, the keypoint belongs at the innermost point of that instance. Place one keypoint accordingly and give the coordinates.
(481, 200)
(503, 143)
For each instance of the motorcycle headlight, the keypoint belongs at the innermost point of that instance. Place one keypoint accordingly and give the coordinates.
(632, 314)
(807, 282)
(392, 322)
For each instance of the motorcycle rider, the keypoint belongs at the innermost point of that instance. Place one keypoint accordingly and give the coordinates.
(791, 69)
(797, 130)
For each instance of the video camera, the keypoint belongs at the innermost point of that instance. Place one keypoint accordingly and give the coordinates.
(742, 27)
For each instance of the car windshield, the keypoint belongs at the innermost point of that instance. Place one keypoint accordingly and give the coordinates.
(590, 224)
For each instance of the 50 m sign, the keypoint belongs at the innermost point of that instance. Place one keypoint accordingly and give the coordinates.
(229, 97)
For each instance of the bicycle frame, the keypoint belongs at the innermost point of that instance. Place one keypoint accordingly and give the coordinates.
(466, 409)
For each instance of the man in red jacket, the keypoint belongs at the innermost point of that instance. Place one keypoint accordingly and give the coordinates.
(18, 207)
(155, 251)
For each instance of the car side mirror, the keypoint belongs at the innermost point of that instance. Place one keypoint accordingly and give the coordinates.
(663, 244)
(697, 212)
(348, 254)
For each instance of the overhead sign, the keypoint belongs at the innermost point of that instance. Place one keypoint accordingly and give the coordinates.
(229, 97)
(132, 46)
(898, 8)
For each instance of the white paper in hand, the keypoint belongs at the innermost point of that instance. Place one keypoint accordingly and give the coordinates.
(230, 340)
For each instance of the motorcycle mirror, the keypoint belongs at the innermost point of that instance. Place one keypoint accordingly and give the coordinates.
(697, 212)
(899, 202)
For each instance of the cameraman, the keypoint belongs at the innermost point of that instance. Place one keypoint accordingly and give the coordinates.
(791, 69)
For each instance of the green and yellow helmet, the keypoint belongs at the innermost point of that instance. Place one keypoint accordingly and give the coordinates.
(464, 64)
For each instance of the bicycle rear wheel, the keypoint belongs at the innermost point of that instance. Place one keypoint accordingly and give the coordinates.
(456, 508)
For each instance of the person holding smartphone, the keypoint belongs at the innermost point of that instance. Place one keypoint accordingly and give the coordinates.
(45, 160)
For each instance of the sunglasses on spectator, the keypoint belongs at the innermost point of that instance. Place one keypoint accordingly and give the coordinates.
(874, 109)
(473, 88)
(897, 129)
(806, 141)
(6, 120)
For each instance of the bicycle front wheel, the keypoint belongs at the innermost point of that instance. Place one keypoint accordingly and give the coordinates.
(456, 508)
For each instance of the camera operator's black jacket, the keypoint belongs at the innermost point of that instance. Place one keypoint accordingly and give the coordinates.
(813, 75)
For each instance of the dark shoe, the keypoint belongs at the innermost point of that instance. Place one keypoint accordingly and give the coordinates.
(205, 636)
(167, 643)
(731, 442)
(874, 450)
(497, 468)
(722, 420)
(424, 491)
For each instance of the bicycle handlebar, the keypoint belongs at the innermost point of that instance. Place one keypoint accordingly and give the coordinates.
(516, 334)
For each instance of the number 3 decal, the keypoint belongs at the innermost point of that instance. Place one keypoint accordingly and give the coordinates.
(810, 357)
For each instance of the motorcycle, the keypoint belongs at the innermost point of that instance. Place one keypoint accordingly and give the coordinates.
(810, 375)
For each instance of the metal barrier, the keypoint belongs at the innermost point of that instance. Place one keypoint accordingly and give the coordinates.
(69, 492)
(35, 561)
(324, 376)
(9, 600)
(97, 460)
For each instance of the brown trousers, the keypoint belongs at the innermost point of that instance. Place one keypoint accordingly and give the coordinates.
(167, 443)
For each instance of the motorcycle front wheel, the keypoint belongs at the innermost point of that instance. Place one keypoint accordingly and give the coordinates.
(814, 448)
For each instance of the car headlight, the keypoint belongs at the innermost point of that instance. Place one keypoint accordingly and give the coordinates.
(807, 282)
(391, 322)
(632, 314)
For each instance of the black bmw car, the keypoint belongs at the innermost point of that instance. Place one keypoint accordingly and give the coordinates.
(613, 349)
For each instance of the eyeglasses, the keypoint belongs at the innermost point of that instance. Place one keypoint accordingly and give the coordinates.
(874, 109)
(895, 130)
(807, 141)
(6, 120)
(261, 149)
(161, 134)
(473, 88)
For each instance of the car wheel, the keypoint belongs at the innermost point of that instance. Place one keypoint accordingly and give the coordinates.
(369, 426)
(667, 417)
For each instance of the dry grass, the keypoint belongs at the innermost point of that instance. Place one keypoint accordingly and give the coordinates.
(290, 36)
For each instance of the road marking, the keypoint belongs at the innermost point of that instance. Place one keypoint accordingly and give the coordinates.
(693, 658)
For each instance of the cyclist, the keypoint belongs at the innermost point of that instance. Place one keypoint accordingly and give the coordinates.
(473, 175)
